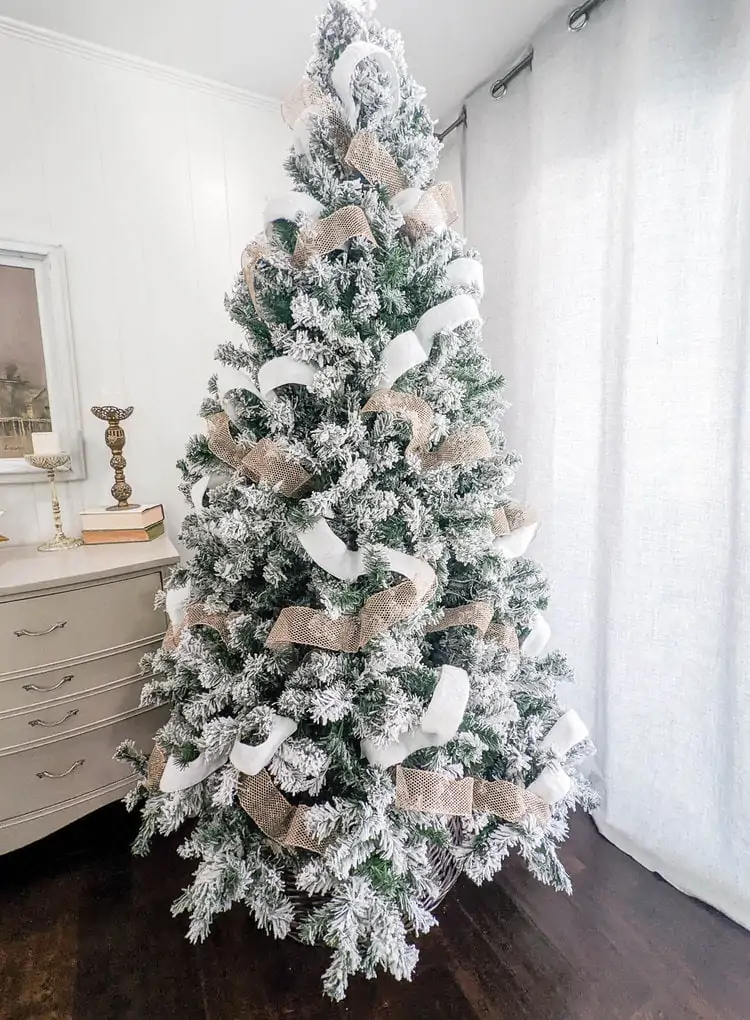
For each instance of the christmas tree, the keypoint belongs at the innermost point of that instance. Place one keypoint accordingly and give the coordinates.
(354, 657)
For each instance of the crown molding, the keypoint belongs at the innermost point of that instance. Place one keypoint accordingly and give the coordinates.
(114, 58)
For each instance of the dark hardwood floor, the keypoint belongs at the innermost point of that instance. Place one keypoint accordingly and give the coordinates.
(86, 934)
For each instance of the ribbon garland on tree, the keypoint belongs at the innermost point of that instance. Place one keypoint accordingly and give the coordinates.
(468, 445)
(262, 461)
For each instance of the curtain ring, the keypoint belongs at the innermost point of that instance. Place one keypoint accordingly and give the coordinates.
(578, 19)
(498, 90)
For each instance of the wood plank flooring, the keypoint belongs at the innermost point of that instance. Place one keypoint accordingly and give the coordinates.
(86, 934)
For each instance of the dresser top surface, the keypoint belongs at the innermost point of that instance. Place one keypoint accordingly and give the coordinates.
(23, 568)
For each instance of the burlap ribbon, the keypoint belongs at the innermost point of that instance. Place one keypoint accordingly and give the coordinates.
(479, 614)
(309, 99)
(274, 815)
(435, 209)
(260, 798)
(506, 519)
(473, 614)
(373, 161)
(331, 233)
(307, 94)
(467, 445)
(196, 614)
(429, 792)
(263, 461)
(302, 625)
(251, 256)
(505, 634)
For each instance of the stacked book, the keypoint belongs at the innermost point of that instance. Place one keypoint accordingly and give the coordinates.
(139, 524)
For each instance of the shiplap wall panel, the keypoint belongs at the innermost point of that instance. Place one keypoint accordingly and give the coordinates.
(153, 183)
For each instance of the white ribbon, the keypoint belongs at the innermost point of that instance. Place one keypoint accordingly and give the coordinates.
(283, 371)
(568, 731)
(329, 552)
(181, 777)
(407, 200)
(290, 206)
(271, 375)
(551, 785)
(247, 758)
(343, 69)
(517, 542)
(228, 379)
(466, 273)
(438, 725)
(252, 758)
(539, 634)
(201, 487)
(407, 350)
(175, 603)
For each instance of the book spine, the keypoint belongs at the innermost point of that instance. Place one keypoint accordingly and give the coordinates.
(104, 537)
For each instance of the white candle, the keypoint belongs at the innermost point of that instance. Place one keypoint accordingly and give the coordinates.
(45, 443)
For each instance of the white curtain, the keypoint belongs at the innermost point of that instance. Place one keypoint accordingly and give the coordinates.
(609, 194)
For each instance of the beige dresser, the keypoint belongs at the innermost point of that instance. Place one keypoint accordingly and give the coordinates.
(73, 627)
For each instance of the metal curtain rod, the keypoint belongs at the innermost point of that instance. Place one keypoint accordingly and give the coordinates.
(500, 87)
(577, 19)
(457, 123)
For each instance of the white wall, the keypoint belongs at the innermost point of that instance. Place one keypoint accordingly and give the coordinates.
(153, 182)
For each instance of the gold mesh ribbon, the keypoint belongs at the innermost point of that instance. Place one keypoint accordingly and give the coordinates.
(467, 445)
(274, 815)
(169, 641)
(370, 158)
(194, 615)
(251, 256)
(436, 208)
(419, 790)
(302, 625)
(220, 441)
(308, 95)
(267, 463)
(331, 234)
(508, 518)
(263, 461)
(473, 614)
(157, 762)
(505, 634)
(305, 95)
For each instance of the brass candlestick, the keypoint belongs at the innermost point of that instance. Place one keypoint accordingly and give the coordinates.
(49, 462)
(114, 437)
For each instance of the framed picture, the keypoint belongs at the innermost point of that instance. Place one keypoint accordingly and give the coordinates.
(38, 391)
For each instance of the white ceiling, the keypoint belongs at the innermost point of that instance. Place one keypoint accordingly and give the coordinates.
(262, 46)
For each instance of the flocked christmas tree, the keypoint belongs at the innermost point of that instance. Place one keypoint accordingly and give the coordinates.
(354, 660)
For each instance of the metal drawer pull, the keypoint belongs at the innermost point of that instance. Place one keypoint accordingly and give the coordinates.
(61, 775)
(53, 687)
(41, 722)
(39, 633)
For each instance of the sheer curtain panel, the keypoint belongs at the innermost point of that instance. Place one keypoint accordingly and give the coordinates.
(609, 194)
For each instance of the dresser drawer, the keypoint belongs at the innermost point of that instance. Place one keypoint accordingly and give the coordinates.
(55, 718)
(49, 628)
(44, 685)
(76, 765)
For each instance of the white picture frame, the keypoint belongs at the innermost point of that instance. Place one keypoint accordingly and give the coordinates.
(47, 262)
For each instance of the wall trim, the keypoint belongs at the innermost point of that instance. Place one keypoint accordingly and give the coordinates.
(126, 61)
